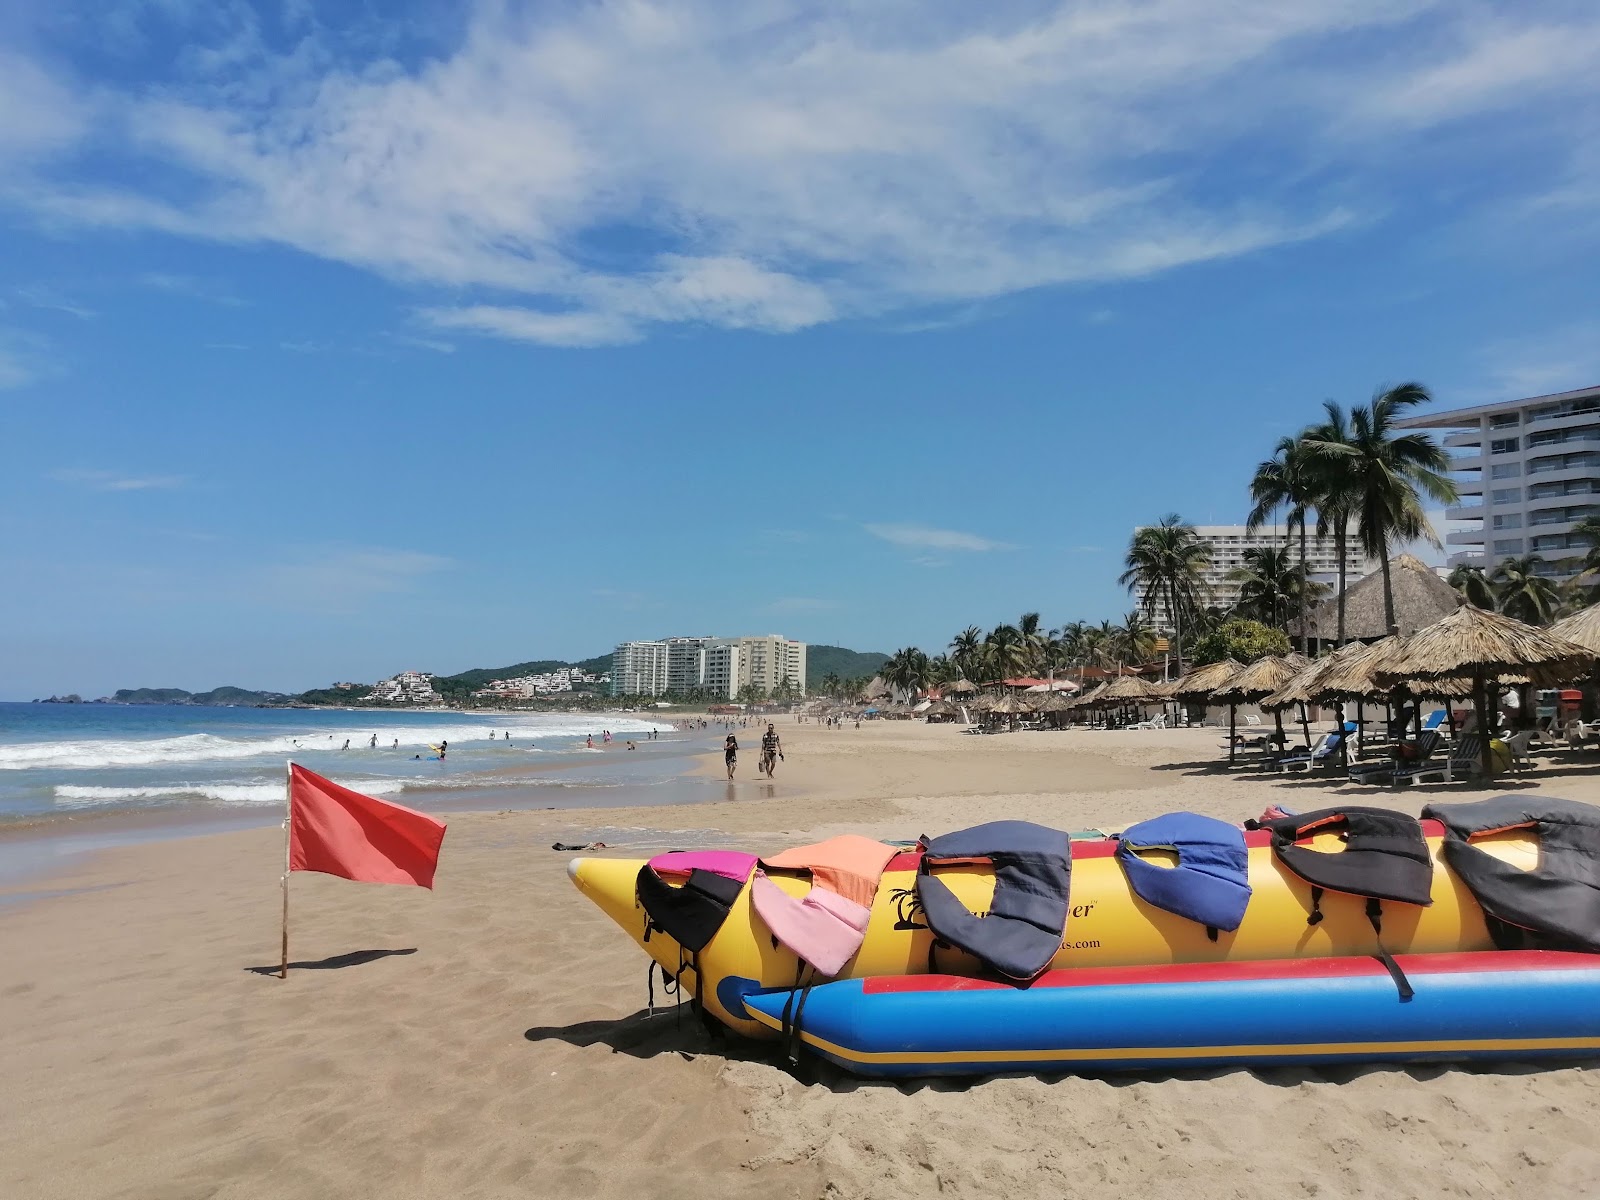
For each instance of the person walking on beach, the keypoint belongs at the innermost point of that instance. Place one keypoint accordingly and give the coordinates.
(771, 750)
(730, 754)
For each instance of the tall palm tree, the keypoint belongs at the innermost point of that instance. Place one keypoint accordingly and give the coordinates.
(1287, 480)
(1474, 586)
(1166, 559)
(1523, 593)
(1333, 488)
(1033, 638)
(1007, 652)
(906, 671)
(1387, 470)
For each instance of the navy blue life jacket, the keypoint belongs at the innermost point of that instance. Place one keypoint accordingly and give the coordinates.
(1032, 873)
(1210, 884)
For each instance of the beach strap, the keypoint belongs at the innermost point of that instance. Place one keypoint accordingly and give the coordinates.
(1401, 983)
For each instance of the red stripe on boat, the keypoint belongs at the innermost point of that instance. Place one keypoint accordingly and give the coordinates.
(1287, 969)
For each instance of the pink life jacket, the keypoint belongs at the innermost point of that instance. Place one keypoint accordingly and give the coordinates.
(827, 925)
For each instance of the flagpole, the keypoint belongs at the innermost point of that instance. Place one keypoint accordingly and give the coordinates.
(288, 821)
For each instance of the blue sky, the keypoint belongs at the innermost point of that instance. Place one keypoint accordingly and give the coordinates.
(332, 345)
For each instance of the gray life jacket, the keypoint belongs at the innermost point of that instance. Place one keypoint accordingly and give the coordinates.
(1022, 930)
(1554, 906)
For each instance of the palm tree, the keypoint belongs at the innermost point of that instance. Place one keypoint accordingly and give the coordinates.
(1268, 585)
(1386, 470)
(1286, 480)
(966, 651)
(1006, 653)
(1523, 593)
(940, 670)
(1474, 586)
(1134, 641)
(906, 671)
(1033, 638)
(1334, 494)
(1166, 560)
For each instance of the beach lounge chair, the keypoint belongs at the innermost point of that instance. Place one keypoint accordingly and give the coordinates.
(1463, 762)
(1324, 752)
(1390, 771)
(1520, 745)
(1579, 737)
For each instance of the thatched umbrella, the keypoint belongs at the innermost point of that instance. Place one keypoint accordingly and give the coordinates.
(1420, 599)
(1200, 683)
(1010, 706)
(1481, 645)
(1089, 699)
(1259, 680)
(1582, 627)
(959, 687)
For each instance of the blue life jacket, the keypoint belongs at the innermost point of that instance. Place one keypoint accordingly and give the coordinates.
(1210, 884)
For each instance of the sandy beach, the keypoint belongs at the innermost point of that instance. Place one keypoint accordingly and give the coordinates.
(487, 1039)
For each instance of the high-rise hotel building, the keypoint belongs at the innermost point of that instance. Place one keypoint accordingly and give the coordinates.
(1528, 471)
(722, 667)
(1228, 544)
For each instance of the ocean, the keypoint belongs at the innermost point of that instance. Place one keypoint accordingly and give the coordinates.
(77, 760)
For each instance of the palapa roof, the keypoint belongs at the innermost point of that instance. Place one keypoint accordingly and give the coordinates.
(1088, 699)
(1261, 678)
(939, 708)
(1305, 687)
(957, 687)
(1582, 627)
(1053, 702)
(1129, 689)
(1474, 643)
(1420, 599)
(1010, 706)
(1199, 683)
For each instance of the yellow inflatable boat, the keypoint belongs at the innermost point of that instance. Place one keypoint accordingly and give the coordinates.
(1108, 924)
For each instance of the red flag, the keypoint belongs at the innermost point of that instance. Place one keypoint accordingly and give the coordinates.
(340, 832)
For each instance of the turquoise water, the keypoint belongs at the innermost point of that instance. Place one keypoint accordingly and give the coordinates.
(58, 759)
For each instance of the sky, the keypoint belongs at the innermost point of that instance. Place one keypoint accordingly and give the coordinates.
(344, 338)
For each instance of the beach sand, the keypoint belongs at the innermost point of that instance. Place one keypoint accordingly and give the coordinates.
(486, 1039)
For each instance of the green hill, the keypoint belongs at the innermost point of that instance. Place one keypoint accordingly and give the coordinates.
(836, 660)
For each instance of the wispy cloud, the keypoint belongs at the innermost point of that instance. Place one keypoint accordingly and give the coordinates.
(925, 537)
(192, 286)
(1554, 361)
(583, 174)
(115, 481)
(341, 579)
(16, 369)
(53, 301)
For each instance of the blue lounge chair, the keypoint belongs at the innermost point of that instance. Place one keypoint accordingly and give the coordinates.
(1463, 762)
(1390, 771)
(1326, 750)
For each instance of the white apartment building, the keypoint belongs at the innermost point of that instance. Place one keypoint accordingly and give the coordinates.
(1528, 471)
(721, 667)
(1228, 544)
(639, 669)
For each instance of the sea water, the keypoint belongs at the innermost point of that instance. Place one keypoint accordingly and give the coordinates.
(65, 759)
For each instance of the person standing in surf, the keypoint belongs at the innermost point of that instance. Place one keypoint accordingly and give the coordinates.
(730, 754)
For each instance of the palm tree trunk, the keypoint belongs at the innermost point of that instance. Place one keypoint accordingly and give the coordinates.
(1339, 547)
(1388, 587)
(1305, 585)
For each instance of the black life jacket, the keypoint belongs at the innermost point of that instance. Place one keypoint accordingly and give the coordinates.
(1555, 906)
(1032, 873)
(1385, 857)
(690, 915)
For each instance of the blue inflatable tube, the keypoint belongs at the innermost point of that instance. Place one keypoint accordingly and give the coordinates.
(1481, 1005)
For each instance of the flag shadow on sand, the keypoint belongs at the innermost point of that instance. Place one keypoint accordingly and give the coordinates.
(354, 958)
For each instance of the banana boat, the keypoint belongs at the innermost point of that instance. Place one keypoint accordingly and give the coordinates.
(1108, 923)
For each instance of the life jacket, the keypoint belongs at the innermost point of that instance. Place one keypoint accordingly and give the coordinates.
(1554, 906)
(1032, 874)
(1211, 882)
(1385, 857)
(691, 913)
(826, 926)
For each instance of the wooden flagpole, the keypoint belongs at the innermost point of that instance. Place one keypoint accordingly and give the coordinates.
(288, 820)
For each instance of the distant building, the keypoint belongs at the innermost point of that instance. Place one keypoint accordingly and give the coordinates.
(639, 669)
(1528, 471)
(1228, 544)
(408, 687)
(716, 667)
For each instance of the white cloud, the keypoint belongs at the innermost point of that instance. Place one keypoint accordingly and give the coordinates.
(115, 481)
(924, 537)
(15, 372)
(1557, 360)
(581, 174)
